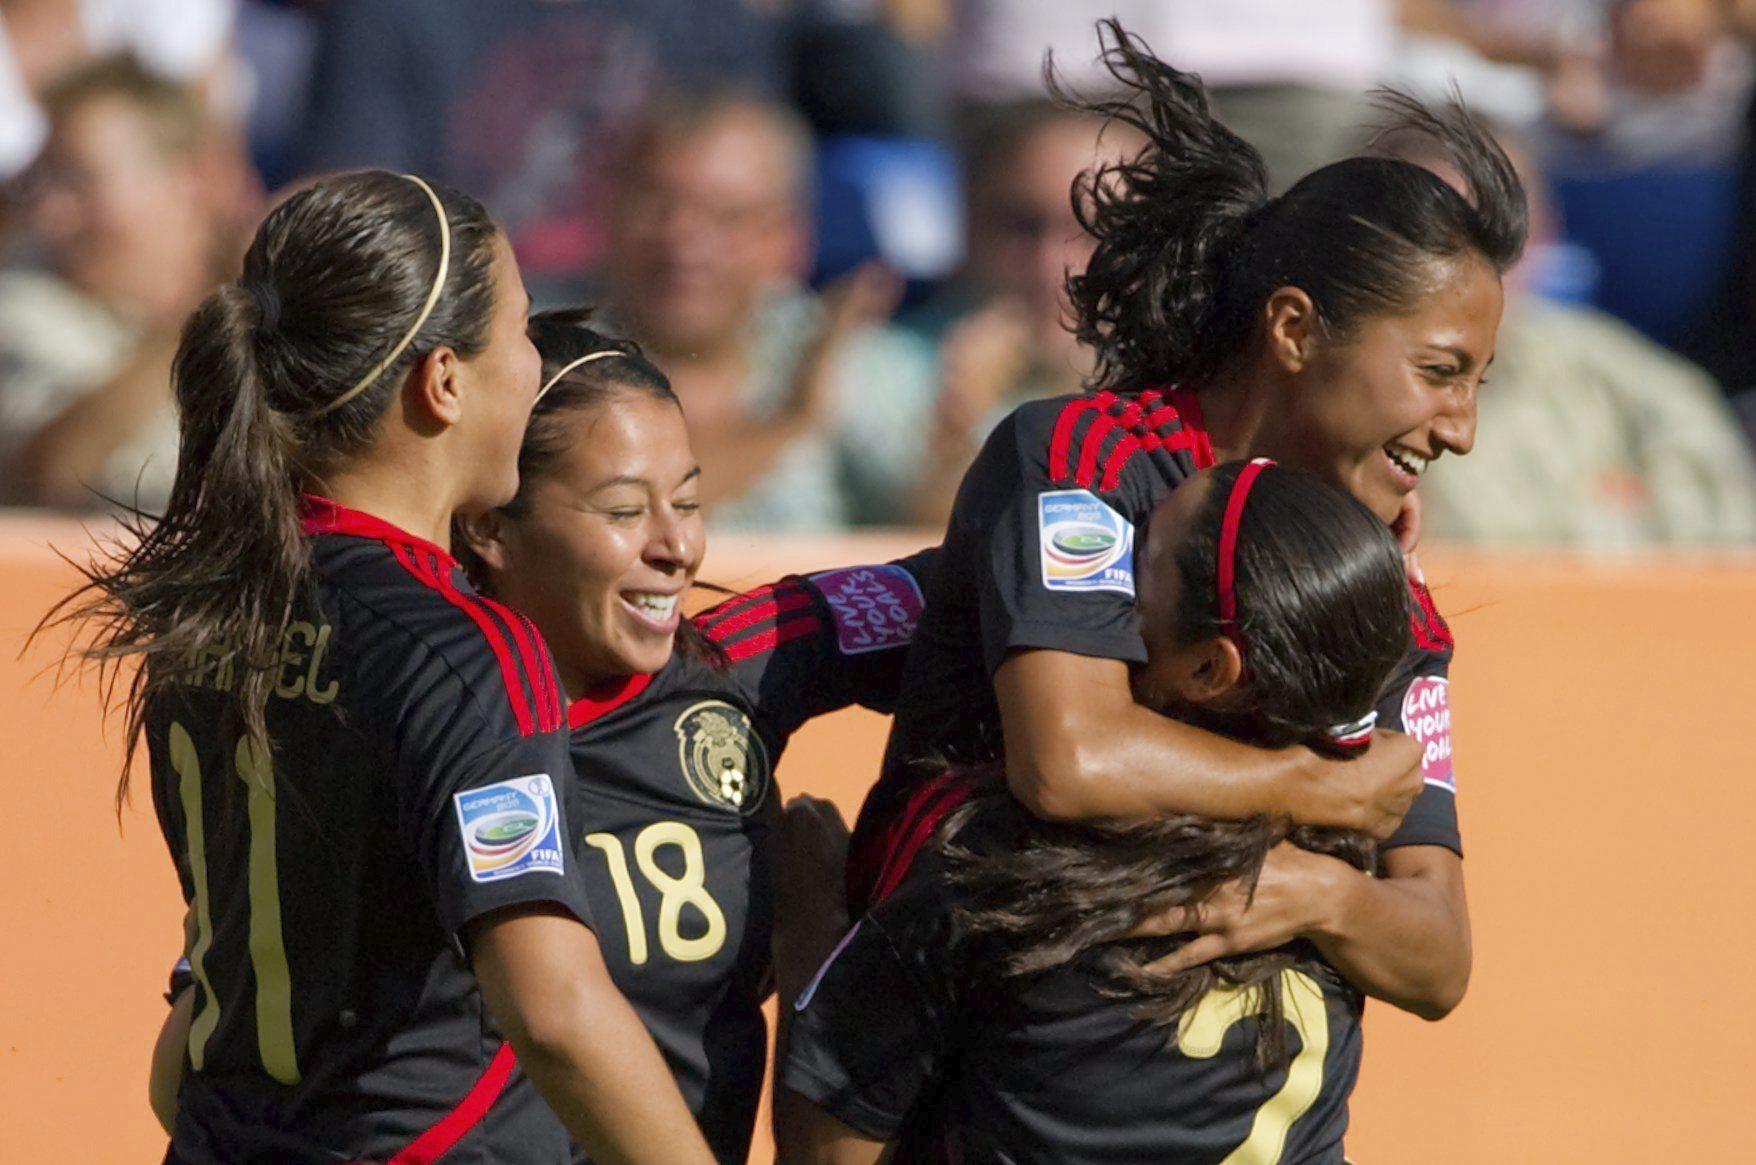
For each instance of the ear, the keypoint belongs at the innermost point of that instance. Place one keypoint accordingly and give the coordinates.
(485, 535)
(1210, 669)
(435, 381)
(1291, 320)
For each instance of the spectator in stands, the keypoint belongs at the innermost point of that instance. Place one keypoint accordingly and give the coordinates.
(520, 102)
(1589, 434)
(1639, 107)
(1287, 75)
(1000, 328)
(808, 415)
(42, 40)
(134, 206)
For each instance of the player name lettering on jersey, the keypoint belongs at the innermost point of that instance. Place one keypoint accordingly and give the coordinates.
(1426, 716)
(303, 650)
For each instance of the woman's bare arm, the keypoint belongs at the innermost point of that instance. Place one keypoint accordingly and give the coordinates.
(1078, 747)
(579, 1041)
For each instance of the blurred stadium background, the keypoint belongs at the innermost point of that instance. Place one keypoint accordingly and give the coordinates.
(848, 219)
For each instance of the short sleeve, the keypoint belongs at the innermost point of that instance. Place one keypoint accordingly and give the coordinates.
(1056, 564)
(486, 809)
(806, 646)
(868, 1034)
(1418, 703)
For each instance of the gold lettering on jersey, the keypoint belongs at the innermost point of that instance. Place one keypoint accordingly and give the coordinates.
(299, 668)
(1201, 1035)
(304, 649)
(723, 760)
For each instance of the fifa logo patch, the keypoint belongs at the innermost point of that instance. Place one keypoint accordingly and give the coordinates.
(1086, 545)
(1426, 716)
(724, 762)
(874, 606)
(510, 828)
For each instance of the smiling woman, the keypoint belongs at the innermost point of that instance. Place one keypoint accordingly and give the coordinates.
(1342, 328)
(677, 724)
(612, 502)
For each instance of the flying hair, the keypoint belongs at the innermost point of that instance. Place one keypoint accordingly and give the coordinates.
(1190, 245)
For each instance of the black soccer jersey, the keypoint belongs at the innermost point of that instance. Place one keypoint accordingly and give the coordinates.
(676, 784)
(899, 1038)
(1040, 554)
(420, 778)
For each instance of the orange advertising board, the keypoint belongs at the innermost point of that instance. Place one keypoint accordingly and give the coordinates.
(1607, 788)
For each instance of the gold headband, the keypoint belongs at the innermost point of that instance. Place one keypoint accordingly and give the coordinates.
(566, 368)
(420, 320)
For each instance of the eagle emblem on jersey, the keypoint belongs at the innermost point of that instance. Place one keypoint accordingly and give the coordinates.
(724, 761)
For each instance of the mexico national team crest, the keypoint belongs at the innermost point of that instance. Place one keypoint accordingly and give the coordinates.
(724, 761)
(1086, 545)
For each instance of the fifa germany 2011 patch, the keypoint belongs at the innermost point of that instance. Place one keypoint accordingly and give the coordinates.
(511, 828)
(1085, 545)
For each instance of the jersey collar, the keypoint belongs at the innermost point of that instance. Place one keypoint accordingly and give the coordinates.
(1189, 412)
(605, 698)
(320, 515)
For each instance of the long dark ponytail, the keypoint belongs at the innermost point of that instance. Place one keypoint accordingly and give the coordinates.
(270, 395)
(1190, 245)
(1323, 612)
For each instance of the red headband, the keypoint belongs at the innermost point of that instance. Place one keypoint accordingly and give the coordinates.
(1226, 581)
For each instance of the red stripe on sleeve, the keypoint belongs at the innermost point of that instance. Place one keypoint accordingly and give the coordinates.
(410, 563)
(1188, 408)
(773, 637)
(930, 806)
(521, 686)
(1061, 442)
(1125, 448)
(515, 693)
(530, 652)
(733, 605)
(1095, 436)
(450, 1129)
(794, 598)
(546, 664)
(1430, 630)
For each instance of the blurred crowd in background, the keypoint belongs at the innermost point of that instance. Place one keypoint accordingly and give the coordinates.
(842, 226)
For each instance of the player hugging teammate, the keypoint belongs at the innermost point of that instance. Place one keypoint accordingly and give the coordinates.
(1003, 1004)
(428, 867)
(1342, 328)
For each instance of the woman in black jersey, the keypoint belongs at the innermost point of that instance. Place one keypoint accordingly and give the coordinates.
(677, 723)
(995, 1008)
(1343, 327)
(358, 763)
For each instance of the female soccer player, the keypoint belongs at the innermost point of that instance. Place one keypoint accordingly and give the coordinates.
(359, 764)
(985, 1011)
(1343, 327)
(677, 724)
